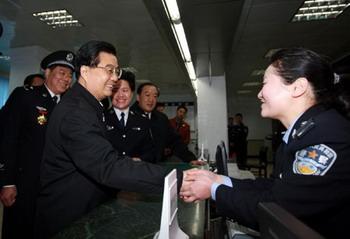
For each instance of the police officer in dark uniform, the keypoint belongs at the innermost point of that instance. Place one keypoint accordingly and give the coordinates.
(25, 118)
(127, 131)
(238, 137)
(163, 135)
(312, 174)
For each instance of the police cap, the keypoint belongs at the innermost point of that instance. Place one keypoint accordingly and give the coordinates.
(64, 58)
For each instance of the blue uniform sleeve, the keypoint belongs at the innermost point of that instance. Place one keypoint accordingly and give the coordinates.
(214, 186)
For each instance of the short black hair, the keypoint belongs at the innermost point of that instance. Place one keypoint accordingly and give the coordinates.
(140, 88)
(182, 107)
(29, 79)
(88, 53)
(129, 77)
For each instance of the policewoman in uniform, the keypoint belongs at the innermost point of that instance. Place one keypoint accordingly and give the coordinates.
(127, 131)
(312, 174)
(25, 118)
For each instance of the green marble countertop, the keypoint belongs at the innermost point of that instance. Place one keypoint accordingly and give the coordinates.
(135, 216)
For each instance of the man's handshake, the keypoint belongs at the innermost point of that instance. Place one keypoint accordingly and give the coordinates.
(197, 184)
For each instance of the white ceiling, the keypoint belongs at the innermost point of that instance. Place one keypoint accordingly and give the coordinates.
(231, 36)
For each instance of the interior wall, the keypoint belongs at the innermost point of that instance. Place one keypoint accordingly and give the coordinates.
(212, 113)
(4, 85)
(25, 61)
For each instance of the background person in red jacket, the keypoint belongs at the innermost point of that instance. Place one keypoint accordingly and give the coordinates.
(179, 124)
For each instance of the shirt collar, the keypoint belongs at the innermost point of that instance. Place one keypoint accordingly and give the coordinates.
(148, 114)
(289, 130)
(53, 94)
(118, 112)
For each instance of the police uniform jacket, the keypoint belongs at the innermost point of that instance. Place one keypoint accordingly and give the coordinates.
(80, 164)
(25, 117)
(238, 134)
(183, 129)
(164, 136)
(312, 177)
(24, 121)
(134, 139)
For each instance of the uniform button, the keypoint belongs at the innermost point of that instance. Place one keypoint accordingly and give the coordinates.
(123, 153)
(280, 175)
(124, 136)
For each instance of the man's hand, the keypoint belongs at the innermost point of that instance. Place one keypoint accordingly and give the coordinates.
(8, 195)
(197, 184)
(198, 162)
(192, 174)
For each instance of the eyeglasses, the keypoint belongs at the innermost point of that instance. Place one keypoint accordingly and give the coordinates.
(111, 70)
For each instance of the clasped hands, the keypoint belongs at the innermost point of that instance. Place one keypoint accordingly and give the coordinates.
(196, 184)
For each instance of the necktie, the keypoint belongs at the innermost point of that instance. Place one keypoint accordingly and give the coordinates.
(122, 121)
(54, 99)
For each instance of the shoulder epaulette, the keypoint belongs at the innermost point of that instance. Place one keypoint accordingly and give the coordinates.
(28, 87)
(305, 127)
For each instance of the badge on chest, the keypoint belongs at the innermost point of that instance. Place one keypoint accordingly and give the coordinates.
(42, 115)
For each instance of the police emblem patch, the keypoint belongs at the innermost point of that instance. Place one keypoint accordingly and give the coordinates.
(314, 160)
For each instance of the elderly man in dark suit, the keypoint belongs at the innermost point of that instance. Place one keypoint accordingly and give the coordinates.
(80, 165)
(25, 118)
(126, 130)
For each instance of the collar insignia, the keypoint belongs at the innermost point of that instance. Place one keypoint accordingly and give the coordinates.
(109, 127)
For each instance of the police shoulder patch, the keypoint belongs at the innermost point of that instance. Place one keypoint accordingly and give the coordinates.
(314, 160)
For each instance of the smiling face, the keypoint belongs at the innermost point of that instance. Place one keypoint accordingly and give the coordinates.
(58, 79)
(275, 95)
(148, 98)
(101, 80)
(122, 95)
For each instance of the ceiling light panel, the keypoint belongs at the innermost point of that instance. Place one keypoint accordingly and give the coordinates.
(172, 11)
(320, 9)
(58, 18)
